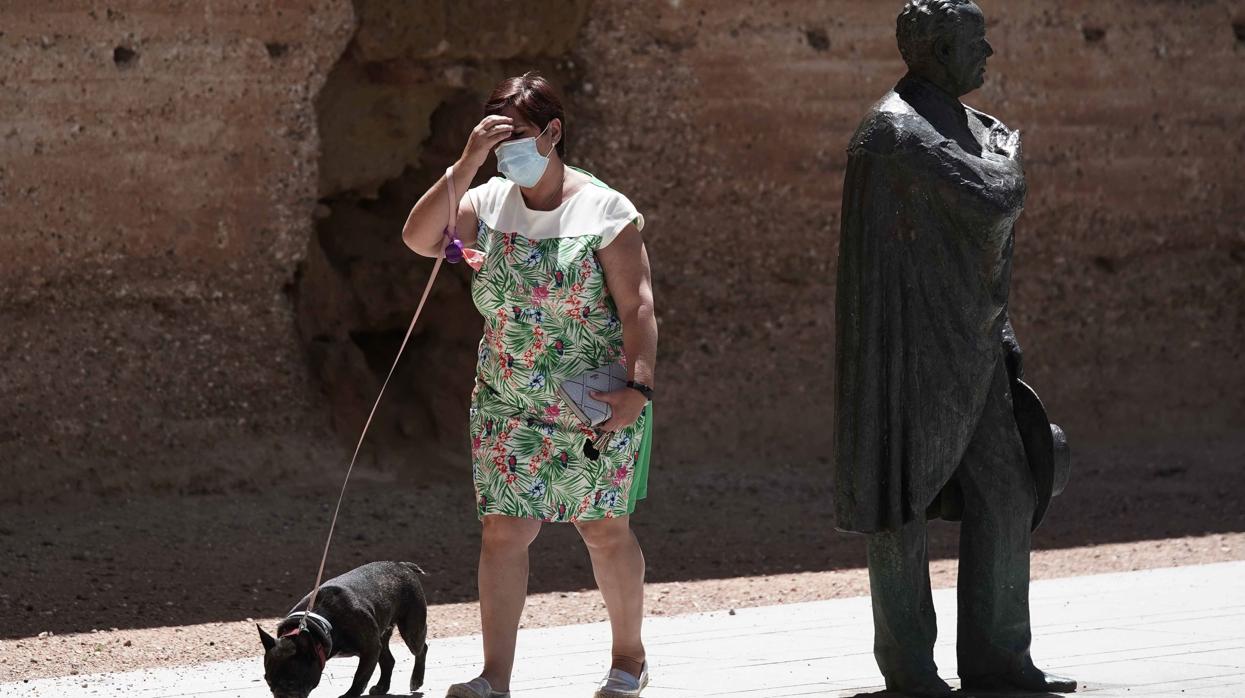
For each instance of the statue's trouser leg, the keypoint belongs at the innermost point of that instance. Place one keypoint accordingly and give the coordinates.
(994, 633)
(904, 627)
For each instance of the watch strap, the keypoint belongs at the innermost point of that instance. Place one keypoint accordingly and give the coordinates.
(644, 390)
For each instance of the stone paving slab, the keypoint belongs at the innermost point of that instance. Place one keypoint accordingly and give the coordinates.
(1156, 633)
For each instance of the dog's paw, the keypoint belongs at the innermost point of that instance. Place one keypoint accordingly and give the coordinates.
(379, 689)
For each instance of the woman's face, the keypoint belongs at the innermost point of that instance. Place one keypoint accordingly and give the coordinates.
(525, 129)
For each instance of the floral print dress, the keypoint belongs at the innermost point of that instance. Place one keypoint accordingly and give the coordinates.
(548, 316)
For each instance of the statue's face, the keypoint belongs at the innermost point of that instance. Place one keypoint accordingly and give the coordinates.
(964, 54)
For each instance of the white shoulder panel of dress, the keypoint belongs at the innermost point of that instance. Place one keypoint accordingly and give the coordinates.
(593, 210)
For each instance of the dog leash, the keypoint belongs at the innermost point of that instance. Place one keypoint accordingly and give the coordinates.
(451, 231)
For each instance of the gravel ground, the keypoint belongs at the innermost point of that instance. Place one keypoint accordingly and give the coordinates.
(165, 580)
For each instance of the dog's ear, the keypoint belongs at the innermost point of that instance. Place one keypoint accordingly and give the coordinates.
(291, 646)
(268, 641)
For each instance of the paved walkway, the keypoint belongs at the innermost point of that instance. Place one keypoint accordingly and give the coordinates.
(1171, 632)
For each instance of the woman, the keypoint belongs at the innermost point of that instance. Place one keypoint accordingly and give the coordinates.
(562, 280)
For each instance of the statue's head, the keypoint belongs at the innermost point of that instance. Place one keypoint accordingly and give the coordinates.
(944, 41)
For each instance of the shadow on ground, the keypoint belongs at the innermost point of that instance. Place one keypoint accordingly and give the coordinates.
(963, 693)
(169, 560)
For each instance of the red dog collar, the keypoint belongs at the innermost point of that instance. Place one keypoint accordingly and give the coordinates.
(319, 648)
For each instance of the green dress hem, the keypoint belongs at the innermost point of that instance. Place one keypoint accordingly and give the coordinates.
(639, 478)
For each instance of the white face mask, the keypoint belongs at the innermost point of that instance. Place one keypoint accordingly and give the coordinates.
(521, 162)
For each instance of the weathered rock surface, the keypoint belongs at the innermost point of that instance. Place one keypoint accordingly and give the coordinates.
(201, 281)
(159, 178)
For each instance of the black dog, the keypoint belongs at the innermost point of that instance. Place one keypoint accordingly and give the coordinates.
(354, 616)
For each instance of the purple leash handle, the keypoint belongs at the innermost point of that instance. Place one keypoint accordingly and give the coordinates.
(454, 246)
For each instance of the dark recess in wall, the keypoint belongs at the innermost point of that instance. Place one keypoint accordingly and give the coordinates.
(355, 292)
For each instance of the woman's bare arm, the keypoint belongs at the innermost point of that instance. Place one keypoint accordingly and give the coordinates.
(628, 276)
(423, 230)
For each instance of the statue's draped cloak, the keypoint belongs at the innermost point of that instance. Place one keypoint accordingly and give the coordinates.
(923, 276)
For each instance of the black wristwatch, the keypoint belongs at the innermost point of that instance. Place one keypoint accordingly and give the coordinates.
(646, 391)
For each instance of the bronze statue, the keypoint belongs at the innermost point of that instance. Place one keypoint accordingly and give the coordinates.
(927, 364)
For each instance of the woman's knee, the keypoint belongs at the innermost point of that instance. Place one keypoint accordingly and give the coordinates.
(508, 532)
(606, 534)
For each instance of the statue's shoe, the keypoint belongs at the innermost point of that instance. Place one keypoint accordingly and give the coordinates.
(920, 686)
(1029, 678)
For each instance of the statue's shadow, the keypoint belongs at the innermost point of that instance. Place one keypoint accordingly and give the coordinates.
(969, 694)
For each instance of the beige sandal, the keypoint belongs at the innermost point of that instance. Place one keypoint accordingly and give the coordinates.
(621, 684)
(476, 688)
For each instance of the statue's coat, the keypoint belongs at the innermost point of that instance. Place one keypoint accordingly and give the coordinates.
(923, 276)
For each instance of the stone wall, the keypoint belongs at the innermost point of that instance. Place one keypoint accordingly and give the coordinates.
(201, 282)
(157, 188)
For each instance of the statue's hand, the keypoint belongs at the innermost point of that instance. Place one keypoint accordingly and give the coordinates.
(1005, 142)
(1014, 146)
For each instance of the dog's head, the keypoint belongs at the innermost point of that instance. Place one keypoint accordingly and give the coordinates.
(292, 663)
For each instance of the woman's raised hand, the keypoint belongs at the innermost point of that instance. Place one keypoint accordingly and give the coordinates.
(424, 225)
(485, 136)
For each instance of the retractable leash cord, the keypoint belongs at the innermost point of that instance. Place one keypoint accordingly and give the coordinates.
(453, 253)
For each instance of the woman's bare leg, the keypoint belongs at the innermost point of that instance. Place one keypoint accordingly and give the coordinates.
(503, 590)
(618, 565)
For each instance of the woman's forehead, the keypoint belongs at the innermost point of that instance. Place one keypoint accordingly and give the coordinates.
(520, 121)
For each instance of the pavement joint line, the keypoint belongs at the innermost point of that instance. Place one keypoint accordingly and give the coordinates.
(1205, 664)
(1153, 648)
(1153, 684)
(1210, 613)
(1102, 660)
(1063, 630)
(1148, 627)
(1160, 616)
(1209, 637)
(767, 689)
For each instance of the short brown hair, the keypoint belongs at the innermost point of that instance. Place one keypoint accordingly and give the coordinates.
(532, 96)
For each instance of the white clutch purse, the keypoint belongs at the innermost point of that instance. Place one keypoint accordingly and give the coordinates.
(576, 391)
